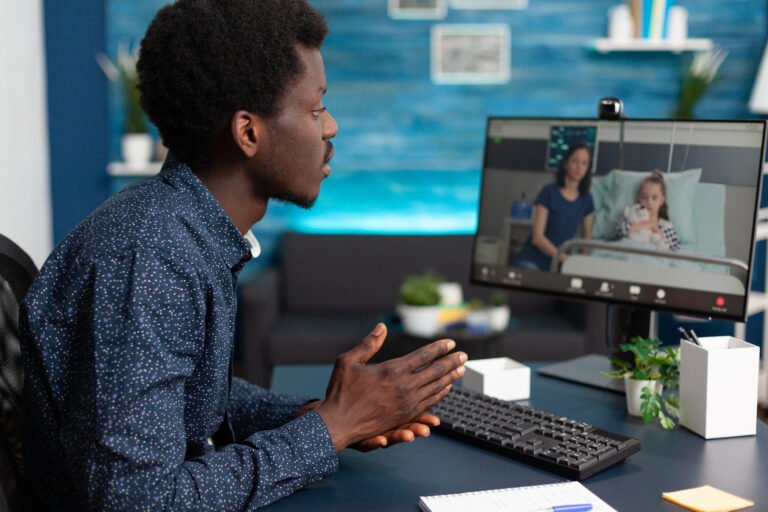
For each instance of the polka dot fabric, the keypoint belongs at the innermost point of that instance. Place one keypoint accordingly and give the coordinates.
(128, 334)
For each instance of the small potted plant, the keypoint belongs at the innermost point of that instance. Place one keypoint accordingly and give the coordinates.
(136, 142)
(498, 312)
(419, 306)
(651, 380)
(477, 316)
(697, 78)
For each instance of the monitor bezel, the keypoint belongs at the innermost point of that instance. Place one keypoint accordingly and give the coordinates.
(616, 301)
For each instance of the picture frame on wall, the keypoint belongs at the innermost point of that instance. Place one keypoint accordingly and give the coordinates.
(470, 53)
(489, 4)
(417, 9)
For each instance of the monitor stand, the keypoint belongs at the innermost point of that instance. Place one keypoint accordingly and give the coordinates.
(623, 323)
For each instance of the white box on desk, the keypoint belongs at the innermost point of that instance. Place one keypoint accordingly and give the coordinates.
(718, 387)
(499, 377)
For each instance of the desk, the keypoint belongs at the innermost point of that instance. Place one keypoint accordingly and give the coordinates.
(393, 479)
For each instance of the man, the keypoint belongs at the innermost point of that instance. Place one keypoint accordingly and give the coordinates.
(129, 401)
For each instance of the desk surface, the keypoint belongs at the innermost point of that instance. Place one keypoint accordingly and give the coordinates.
(393, 479)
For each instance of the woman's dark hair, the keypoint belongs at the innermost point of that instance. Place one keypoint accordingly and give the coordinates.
(657, 178)
(203, 60)
(586, 181)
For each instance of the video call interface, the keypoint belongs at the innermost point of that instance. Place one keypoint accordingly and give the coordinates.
(654, 213)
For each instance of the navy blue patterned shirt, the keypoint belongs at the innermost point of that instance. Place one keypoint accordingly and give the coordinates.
(128, 334)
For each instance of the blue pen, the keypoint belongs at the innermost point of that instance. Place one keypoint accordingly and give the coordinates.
(583, 507)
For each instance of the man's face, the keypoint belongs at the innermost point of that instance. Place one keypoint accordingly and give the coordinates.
(299, 146)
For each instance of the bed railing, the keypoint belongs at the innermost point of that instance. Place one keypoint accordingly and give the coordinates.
(735, 267)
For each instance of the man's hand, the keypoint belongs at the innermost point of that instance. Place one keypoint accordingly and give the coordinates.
(403, 434)
(419, 427)
(364, 402)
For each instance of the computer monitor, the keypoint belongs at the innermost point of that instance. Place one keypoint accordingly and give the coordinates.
(655, 214)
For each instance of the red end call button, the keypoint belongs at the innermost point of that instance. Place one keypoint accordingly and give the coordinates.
(720, 302)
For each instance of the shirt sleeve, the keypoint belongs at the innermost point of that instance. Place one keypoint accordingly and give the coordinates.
(670, 235)
(126, 445)
(253, 408)
(590, 206)
(545, 197)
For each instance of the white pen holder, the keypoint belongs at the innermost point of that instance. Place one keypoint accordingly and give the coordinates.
(718, 387)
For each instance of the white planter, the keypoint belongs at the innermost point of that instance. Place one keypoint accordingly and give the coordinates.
(450, 294)
(478, 319)
(633, 388)
(421, 321)
(498, 318)
(137, 150)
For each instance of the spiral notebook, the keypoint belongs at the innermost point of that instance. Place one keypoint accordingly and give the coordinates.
(518, 499)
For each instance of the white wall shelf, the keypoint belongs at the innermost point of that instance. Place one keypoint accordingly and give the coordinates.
(122, 169)
(605, 45)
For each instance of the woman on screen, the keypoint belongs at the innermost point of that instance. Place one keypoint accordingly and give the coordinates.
(561, 208)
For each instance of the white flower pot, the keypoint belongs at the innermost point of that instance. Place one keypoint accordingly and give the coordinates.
(498, 318)
(633, 388)
(421, 321)
(137, 150)
(478, 319)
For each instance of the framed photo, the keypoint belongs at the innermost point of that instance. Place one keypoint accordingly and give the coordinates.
(470, 54)
(489, 4)
(417, 9)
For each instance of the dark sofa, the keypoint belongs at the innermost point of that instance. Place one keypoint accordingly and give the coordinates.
(330, 290)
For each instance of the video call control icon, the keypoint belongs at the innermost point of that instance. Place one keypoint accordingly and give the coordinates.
(634, 290)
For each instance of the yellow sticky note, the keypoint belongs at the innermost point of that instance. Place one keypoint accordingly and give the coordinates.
(707, 499)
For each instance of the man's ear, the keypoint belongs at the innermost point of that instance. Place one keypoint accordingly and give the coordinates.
(247, 130)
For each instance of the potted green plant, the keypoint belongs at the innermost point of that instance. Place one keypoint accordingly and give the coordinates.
(697, 77)
(136, 142)
(419, 306)
(477, 315)
(498, 312)
(651, 380)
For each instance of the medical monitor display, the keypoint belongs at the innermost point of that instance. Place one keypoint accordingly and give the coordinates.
(659, 214)
(561, 138)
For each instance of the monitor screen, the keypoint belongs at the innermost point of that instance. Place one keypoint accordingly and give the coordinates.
(652, 213)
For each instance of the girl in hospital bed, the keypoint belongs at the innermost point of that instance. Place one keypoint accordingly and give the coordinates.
(648, 220)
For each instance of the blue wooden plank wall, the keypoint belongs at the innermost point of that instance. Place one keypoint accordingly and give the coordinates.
(392, 117)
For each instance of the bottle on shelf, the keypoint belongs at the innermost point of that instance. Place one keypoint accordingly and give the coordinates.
(521, 209)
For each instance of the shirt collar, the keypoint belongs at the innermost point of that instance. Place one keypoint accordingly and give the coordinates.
(255, 246)
(234, 248)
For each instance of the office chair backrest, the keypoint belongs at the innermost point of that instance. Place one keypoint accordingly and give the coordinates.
(17, 271)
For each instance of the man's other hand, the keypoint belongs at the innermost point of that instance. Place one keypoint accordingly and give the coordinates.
(363, 401)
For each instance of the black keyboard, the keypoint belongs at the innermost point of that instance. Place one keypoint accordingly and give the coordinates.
(564, 446)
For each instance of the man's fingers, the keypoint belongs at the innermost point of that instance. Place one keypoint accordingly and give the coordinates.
(436, 387)
(372, 443)
(428, 419)
(369, 345)
(431, 399)
(425, 355)
(452, 364)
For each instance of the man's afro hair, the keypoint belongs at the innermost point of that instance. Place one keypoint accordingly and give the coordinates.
(203, 60)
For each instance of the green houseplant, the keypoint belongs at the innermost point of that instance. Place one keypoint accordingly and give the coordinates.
(419, 303)
(696, 79)
(651, 380)
(136, 142)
